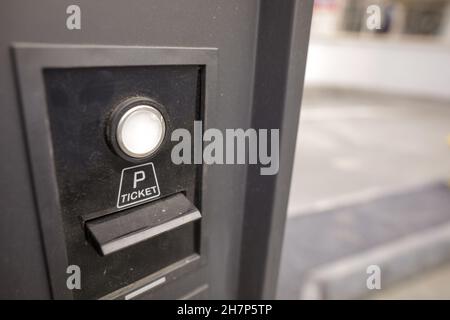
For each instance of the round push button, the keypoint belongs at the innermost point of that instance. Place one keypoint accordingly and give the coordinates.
(140, 131)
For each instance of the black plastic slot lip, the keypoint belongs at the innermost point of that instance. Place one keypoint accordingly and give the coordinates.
(144, 234)
(89, 217)
(121, 230)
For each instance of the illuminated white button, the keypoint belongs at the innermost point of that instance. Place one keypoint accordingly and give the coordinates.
(140, 131)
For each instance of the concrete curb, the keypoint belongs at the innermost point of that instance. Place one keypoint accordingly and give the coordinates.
(346, 278)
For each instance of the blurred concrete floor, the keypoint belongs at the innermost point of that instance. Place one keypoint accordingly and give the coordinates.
(354, 146)
(434, 284)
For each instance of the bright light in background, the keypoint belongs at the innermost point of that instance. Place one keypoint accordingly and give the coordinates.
(403, 59)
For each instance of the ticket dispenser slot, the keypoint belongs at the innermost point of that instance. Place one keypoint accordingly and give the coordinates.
(124, 229)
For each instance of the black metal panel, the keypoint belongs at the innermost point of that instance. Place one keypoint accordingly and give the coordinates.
(29, 213)
(80, 103)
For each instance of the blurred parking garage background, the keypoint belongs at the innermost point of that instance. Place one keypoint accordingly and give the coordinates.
(371, 176)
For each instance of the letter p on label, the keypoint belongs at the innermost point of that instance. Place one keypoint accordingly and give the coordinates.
(138, 176)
